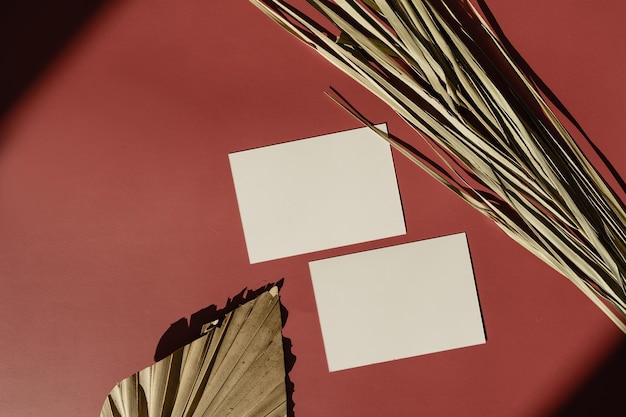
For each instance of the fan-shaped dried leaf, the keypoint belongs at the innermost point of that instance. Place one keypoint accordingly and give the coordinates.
(236, 369)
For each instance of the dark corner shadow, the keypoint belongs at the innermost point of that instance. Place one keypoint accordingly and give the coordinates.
(602, 393)
(32, 33)
(183, 332)
(526, 68)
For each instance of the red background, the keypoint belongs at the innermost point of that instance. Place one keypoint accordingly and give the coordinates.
(118, 214)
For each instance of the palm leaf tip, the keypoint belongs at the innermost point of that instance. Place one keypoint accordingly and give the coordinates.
(236, 369)
(443, 70)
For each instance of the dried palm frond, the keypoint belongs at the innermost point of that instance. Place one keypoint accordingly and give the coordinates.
(440, 67)
(236, 369)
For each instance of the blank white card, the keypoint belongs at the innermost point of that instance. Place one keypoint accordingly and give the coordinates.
(317, 193)
(397, 302)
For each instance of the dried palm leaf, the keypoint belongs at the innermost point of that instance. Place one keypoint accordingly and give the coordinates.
(440, 67)
(236, 369)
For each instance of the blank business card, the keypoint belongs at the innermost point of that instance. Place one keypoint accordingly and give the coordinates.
(317, 193)
(397, 302)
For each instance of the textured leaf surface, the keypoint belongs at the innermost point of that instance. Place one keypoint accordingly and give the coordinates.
(236, 369)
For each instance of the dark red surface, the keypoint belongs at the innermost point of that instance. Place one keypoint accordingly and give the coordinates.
(118, 214)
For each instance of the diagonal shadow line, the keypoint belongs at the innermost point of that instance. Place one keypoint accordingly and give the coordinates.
(601, 394)
(32, 34)
(543, 87)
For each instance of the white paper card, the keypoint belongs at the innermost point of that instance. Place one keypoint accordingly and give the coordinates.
(397, 302)
(317, 193)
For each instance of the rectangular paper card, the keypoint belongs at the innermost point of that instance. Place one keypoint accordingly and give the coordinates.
(397, 302)
(317, 193)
